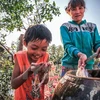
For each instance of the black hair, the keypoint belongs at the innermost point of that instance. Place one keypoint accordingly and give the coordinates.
(39, 32)
(74, 4)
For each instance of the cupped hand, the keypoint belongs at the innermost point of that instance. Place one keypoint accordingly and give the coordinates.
(46, 67)
(40, 67)
(35, 67)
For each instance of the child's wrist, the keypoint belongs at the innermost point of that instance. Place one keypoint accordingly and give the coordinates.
(27, 73)
(30, 71)
(80, 54)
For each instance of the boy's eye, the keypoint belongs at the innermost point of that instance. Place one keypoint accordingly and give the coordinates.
(34, 48)
(44, 49)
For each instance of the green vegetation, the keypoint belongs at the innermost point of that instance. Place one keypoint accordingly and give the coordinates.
(18, 14)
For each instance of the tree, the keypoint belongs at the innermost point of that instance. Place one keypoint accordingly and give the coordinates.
(21, 13)
(56, 53)
(18, 14)
(6, 65)
(11, 11)
(60, 52)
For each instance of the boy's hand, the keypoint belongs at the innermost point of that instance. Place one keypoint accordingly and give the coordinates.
(36, 67)
(46, 67)
(41, 67)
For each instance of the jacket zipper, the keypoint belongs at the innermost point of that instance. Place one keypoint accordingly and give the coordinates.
(81, 38)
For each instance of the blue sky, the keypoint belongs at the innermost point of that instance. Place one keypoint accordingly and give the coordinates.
(92, 14)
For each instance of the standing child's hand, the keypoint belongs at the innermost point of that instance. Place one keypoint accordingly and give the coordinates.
(98, 52)
(82, 60)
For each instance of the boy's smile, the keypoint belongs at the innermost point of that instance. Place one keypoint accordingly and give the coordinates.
(36, 49)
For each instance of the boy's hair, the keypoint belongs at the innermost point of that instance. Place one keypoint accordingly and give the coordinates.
(39, 32)
(74, 4)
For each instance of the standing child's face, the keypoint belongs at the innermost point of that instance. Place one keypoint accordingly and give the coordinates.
(77, 13)
(36, 49)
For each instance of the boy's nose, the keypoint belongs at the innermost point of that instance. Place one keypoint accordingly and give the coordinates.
(39, 52)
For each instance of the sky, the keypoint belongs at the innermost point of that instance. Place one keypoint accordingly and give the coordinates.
(92, 14)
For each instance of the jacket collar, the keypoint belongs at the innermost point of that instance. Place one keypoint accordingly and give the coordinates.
(82, 22)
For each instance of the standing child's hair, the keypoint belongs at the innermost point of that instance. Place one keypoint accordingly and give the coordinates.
(74, 4)
(37, 32)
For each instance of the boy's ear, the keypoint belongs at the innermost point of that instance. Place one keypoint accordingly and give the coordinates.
(24, 43)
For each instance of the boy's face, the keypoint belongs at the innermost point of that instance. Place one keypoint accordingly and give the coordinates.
(77, 13)
(36, 49)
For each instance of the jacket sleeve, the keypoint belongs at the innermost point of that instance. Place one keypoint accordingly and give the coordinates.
(67, 43)
(96, 40)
